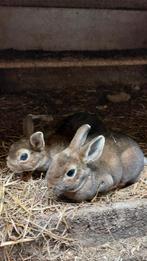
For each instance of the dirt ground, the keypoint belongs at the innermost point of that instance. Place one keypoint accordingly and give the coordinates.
(128, 117)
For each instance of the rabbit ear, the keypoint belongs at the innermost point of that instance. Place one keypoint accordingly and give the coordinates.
(37, 140)
(93, 150)
(28, 126)
(28, 122)
(80, 137)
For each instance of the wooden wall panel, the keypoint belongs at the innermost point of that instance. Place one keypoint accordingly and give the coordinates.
(71, 29)
(103, 4)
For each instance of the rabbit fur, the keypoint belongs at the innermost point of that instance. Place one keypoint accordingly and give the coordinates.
(99, 165)
(33, 153)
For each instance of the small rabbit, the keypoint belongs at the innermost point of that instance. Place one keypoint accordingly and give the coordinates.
(82, 170)
(31, 153)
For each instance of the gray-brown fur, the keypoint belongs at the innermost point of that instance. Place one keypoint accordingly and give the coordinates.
(39, 157)
(39, 151)
(100, 165)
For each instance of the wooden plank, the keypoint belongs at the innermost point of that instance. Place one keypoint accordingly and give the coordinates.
(95, 225)
(101, 4)
(71, 62)
(71, 29)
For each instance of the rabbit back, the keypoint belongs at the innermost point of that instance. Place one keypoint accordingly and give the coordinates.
(71, 123)
(132, 159)
(123, 158)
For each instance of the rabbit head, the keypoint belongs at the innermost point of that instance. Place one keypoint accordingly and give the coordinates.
(28, 154)
(70, 172)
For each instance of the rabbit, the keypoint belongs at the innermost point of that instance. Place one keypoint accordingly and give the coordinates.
(99, 165)
(33, 153)
(26, 154)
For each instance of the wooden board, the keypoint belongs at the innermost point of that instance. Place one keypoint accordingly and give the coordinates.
(93, 226)
(101, 4)
(71, 29)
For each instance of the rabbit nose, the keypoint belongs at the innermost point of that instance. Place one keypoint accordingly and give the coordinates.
(50, 185)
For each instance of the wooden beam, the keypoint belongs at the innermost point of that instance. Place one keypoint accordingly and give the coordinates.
(69, 62)
(100, 4)
(95, 225)
(53, 29)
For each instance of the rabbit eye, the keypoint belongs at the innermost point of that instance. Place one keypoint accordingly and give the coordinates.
(24, 156)
(71, 173)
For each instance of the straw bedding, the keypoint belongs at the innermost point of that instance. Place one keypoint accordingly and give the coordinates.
(22, 203)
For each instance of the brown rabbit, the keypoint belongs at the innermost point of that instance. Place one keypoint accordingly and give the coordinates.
(31, 153)
(82, 170)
